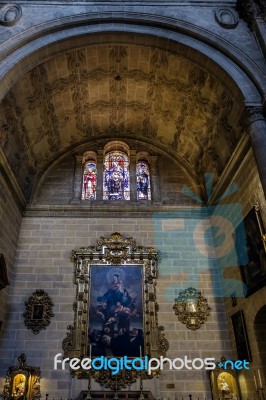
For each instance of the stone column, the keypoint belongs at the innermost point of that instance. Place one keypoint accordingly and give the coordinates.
(132, 175)
(256, 126)
(76, 194)
(99, 187)
(155, 181)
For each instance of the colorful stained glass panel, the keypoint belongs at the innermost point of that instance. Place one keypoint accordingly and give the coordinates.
(143, 181)
(89, 181)
(116, 176)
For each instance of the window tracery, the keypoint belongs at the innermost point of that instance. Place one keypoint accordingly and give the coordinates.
(116, 182)
(114, 173)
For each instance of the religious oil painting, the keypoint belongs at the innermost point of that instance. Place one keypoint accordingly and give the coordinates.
(254, 271)
(241, 338)
(116, 176)
(115, 326)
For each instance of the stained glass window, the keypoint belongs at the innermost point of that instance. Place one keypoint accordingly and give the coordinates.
(116, 176)
(89, 181)
(143, 181)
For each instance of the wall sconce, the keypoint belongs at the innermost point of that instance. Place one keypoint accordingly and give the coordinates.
(191, 308)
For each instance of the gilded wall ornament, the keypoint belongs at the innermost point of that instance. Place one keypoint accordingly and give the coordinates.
(22, 381)
(38, 311)
(191, 308)
(115, 310)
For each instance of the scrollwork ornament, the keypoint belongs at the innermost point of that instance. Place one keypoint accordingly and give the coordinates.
(38, 311)
(191, 308)
(10, 14)
(163, 342)
(22, 381)
(67, 344)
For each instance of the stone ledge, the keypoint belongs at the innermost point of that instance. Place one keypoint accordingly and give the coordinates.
(117, 210)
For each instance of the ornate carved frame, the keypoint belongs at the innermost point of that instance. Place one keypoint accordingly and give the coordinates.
(22, 381)
(229, 389)
(191, 308)
(113, 251)
(38, 311)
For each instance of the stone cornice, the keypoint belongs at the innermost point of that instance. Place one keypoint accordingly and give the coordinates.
(116, 211)
(133, 3)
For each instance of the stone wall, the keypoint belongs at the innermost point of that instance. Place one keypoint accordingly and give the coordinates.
(185, 240)
(249, 192)
(57, 185)
(43, 261)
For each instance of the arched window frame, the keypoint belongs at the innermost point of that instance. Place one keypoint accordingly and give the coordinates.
(89, 176)
(116, 177)
(131, 159)
(143, 180)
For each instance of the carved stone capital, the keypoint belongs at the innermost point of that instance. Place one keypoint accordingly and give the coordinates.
(253, 114)
(250, 9)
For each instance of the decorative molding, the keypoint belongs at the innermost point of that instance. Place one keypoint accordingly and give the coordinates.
(226, 17)
(38, 311)
(10, 14)
(132, 210)
(191, 308)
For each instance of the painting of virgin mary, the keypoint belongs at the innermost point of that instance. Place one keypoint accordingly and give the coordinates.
(115, 326)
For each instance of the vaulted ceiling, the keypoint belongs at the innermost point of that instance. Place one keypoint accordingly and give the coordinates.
(108, 91)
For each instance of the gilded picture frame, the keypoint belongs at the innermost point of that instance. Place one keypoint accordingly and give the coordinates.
(22, 381)
(39, 311)
(95, 268)
(224, 384)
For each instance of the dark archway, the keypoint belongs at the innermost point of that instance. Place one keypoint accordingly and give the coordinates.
(260, 329)
(3, 273)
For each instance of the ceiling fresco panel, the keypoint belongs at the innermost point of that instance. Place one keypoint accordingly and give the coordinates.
(113, 90)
